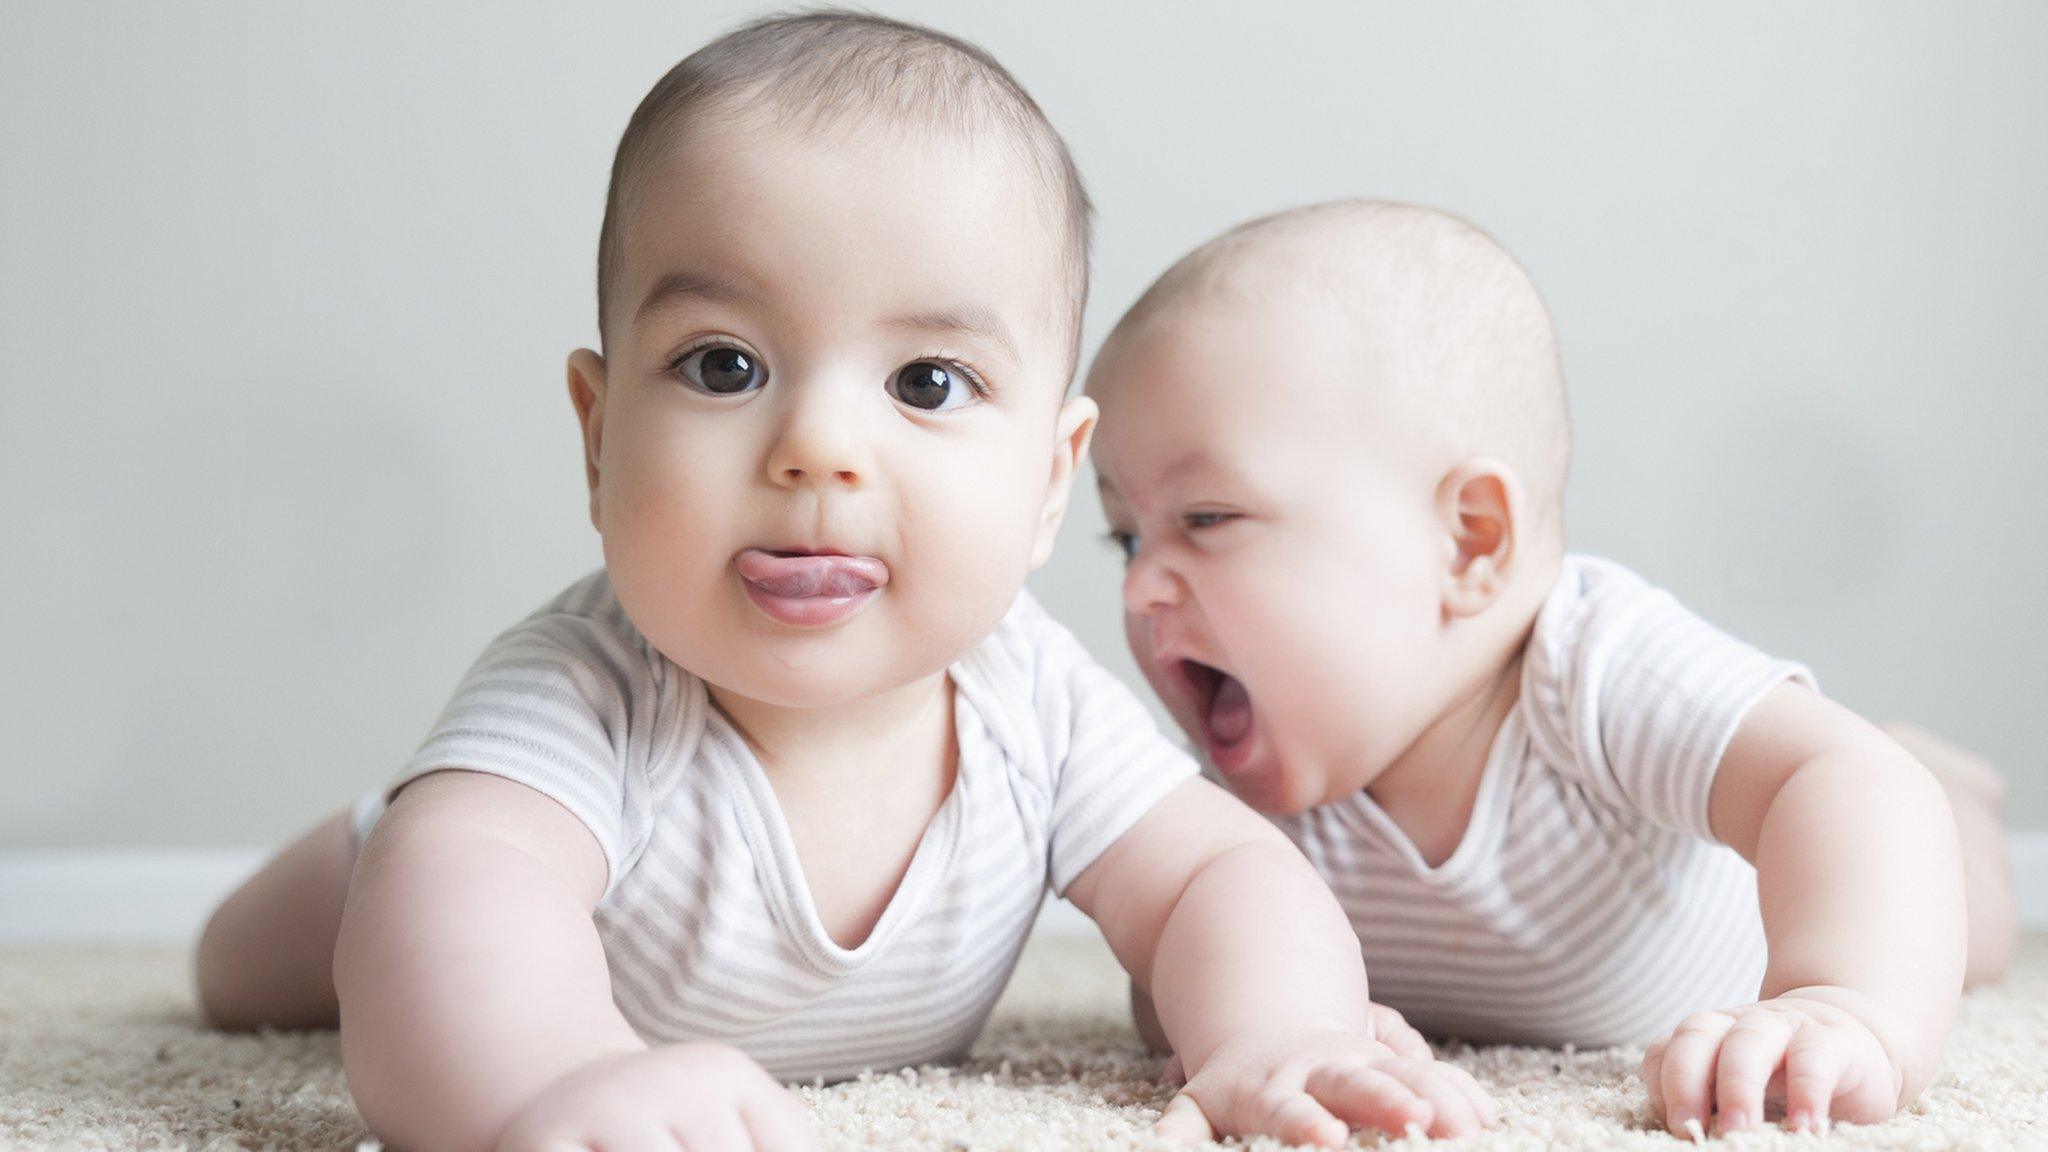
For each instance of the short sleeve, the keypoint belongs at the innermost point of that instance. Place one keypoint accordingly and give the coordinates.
(1109, 763)
(550, 704)
(1637, 697)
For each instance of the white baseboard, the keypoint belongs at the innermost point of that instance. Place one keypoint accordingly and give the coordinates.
(162, 896)
(116, 895)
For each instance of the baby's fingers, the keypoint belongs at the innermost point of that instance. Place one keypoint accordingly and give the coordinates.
(1296, 1118)
(1687, 1074)
(1453, 1109)
(1184, 1120)
(1393, 1030)
(778, 1123)
(1369, 1098)
(1482, 1102)
(1813, 1067)
(1750, 1054)
(1653, 1075)
(713, 1130)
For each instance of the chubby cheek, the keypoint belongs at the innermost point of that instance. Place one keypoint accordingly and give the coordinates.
(966, 527)
(1358, 659)
(668, 536)
(1307, 635)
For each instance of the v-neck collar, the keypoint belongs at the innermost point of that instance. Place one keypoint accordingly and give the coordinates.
(1482, 832)
(776, 862)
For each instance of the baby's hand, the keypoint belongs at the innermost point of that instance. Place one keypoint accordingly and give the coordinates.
(1815, 1057)
(1389, 1027)
(1392, 1029)
(688, 1097)
(1313, 1087)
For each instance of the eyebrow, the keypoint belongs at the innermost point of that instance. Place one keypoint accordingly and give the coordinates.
(977, 320)
(1197, 463)
(684, 285)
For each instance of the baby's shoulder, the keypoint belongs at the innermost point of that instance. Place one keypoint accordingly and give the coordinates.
(591, 601)
(1026, 644)
(1596, 609)
(1040, 686)
(1595, 647)
(1628, 690)
(579, 640)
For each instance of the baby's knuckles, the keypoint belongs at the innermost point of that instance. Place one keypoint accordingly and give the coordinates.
(1869, 1079)
(1254, 1086)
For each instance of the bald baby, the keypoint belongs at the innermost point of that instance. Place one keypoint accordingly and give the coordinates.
(1449, 340)
(1332, 448)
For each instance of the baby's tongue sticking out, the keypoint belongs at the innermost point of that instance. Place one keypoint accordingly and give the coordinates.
(1230, 712)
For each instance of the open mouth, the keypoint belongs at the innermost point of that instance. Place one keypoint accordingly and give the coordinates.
(1224, 710)
(809, 589)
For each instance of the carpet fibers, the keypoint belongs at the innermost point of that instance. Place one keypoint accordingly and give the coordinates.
(101, 1049)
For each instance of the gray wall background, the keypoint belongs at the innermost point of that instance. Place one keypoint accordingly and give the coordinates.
(285, 293)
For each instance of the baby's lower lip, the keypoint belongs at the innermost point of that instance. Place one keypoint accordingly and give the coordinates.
(809, 591)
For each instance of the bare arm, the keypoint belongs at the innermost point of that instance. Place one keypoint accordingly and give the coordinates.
(1146, 1018)
(1858, 870)
(469, 973)
(1258, 982)
(1217, 917)
(1860, 879)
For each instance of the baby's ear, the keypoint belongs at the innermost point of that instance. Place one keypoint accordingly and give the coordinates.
(1075, 428)
(586, 392)
(1479, 507)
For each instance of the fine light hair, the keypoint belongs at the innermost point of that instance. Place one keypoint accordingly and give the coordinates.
(1465, 350)
(826, 69)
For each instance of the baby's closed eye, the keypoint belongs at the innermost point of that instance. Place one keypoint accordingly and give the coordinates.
(1195, 521)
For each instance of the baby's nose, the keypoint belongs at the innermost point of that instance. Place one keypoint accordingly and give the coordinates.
(1150, 585)
(846, 476)
(819, 446)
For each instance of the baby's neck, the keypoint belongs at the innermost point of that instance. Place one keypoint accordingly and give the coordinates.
(1430, 789)
(843, 739)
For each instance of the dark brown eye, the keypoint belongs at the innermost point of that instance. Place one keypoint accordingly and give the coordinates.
(723, 370)
(930, 387)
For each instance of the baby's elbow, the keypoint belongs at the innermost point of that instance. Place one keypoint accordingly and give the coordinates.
(400, 1119)
(213, 971)
(410, 1099)
(1146, 1018)
(227, 972)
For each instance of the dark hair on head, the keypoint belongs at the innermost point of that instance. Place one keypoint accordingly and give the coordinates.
(832, 66)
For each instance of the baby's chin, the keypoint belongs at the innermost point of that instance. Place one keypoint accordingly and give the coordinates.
(798, 672)
(812, 688)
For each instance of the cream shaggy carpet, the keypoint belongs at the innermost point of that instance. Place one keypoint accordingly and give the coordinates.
(101, 1049)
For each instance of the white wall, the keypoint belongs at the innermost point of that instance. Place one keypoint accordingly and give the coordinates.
(285, 292)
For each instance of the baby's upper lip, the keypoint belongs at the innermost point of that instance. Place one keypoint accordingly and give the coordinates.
(1173, 660)
(1171, 653)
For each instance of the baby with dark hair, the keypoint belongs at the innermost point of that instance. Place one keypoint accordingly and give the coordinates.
(778, 791)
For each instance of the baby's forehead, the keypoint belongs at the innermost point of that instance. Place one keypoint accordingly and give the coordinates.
(1184, 408)
(786, 202)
